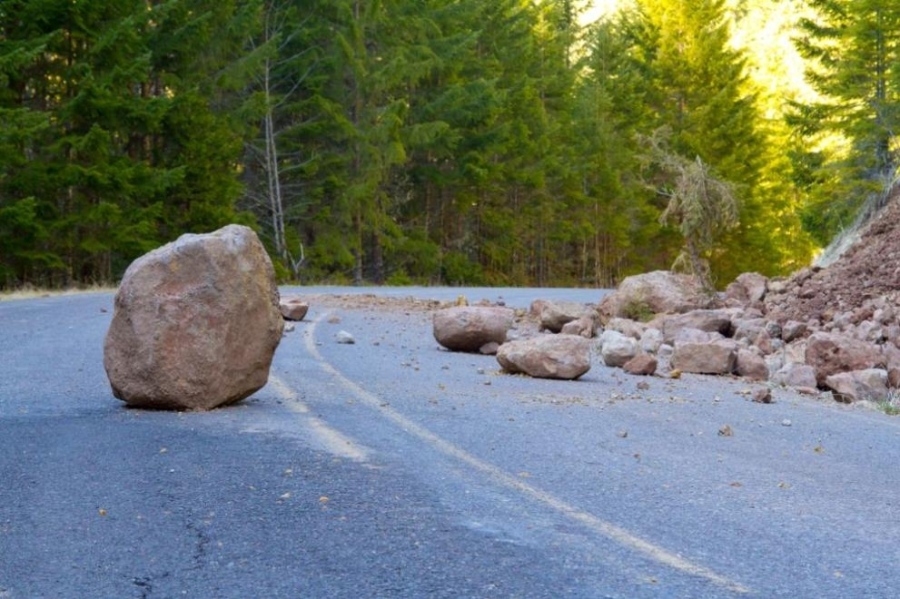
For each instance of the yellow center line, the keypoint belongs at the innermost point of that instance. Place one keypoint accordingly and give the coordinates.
(606, 529)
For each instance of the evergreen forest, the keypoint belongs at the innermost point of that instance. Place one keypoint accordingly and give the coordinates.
(479, 142)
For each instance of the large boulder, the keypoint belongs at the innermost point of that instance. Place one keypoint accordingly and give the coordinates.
(830, 354)
(196, 323)
(469, 328)
(639, 297)
(547, 356)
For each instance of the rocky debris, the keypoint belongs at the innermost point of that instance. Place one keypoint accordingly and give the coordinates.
(196, 323)
(641, 365)
(660, 292)
(616, 349)
(555, 315)
(547, 356)
(293, 308)
(469, 328)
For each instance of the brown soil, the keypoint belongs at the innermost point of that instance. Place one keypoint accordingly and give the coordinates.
(868, 271)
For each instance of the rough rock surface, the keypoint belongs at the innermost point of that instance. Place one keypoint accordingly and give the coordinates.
(555, 315)
(641, 364)
(748, 288)
(616, 349)
(705, 357)
(830, 354)
(196, 323)
(547, 356)
(293, 308)
(868, 270)
(711, 321)
(858, 385)
(657, 292)
(583, 326)
(469, 328)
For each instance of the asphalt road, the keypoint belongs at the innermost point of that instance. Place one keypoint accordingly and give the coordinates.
(391, 468)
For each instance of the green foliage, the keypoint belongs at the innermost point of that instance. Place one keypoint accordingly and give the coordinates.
(432, 141)
(853, 52)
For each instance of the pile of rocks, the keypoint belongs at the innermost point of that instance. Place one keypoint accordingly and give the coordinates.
(685, 330)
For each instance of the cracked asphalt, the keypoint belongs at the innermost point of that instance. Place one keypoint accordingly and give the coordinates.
(392, 468)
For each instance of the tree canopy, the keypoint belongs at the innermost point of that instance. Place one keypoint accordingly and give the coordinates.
(434, 141)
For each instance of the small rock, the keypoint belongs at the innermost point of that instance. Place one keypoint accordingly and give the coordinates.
(785, 422)
(293, 308)
(761, 395)
(641, 364)
(489, 349)
(726, 431)
(344, 337)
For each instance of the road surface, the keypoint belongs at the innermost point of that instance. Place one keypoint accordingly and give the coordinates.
(392, 468)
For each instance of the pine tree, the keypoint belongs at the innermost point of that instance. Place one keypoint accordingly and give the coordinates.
(698, 89)
(853, 53)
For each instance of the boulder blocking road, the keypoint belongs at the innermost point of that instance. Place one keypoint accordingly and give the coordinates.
(392, 468)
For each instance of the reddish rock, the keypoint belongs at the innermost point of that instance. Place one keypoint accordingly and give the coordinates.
(751, 366)
(583, 327)
(641, 364)
(830, 353)
(196, 323)
(761, 395)
(714, 357)
(858, 385)
(798, 376)
(747, 288)
(547, 356)
(293, 308)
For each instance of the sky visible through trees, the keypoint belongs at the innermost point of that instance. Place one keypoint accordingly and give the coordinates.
(513, 142)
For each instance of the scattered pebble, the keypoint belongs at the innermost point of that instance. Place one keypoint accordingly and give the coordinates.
(726, 431)
(785, 422)
(344, 337)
